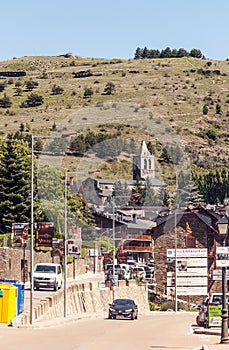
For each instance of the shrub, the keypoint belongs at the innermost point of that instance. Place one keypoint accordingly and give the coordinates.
(2, 87)
(30, 85)
(205, 109)
(170, 305)
(88, 92)
(153, 306)
(5, 102)
(57, 90)
(33, 100)
(211, 134)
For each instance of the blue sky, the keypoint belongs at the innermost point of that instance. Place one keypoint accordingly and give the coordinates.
(112, 29)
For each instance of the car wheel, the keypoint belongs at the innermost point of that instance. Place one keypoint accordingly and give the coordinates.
(55, 287)
(199, 323)
(136, 317)
(110, 317)
(132, 316)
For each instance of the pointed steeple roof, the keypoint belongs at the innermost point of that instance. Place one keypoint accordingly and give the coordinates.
(144, 150)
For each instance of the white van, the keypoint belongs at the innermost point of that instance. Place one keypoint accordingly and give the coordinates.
(47, 276)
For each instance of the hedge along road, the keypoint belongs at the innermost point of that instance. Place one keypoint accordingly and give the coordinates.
(158, 330)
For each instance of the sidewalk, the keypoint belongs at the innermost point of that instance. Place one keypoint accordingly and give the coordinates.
(216, 347)
(211, 331)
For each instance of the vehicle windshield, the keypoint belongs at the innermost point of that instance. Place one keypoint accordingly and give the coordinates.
(45, 269)
(218, 299)
(123, 302)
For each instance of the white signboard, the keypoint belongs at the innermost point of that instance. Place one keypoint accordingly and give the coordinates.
(217, 275)
(189, 291)
(193, 271)
(190, 281)
(222, 256)
(74, 247)
(189, 253)
(93, 252)
(191, 276)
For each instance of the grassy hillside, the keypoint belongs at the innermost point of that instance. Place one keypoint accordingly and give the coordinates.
(174, 89)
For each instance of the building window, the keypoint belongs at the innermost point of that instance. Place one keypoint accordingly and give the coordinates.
(145, 164)
(149, 164)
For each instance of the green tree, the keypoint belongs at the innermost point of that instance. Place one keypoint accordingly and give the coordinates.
(5, 102)
(15, 186)
(145, 52)
(121, 193)
(154, 53)
(2, 87)
(18, 91)
(182, 53)
(211, 134)
(57, 90)
(109, 88)
(150, 197)
(205, 109)
(138, 194)
(32, 100)
(88, 92)
(196, 53)
(218, 109)
(31, 84)
(138, 53)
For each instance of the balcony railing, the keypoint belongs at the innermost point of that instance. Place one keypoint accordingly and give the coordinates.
(139, 238)
(137, 248)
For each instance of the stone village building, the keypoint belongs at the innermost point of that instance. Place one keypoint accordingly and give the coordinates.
(204, 234)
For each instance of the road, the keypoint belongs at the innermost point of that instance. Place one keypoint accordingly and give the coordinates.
(158, 331)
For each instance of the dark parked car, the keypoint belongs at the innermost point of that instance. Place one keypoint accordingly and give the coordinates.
(123, 308)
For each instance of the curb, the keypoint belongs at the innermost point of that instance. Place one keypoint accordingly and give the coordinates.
(207, 331)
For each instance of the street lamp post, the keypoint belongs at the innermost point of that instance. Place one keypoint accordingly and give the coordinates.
(223, 230)
(65, 243)
(175, 254)
(113, 244)
(32, 226)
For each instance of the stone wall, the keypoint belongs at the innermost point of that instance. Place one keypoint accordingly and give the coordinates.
(84, 299)
(10, 263)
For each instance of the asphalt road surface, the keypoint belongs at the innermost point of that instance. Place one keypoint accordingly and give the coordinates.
(156, 331)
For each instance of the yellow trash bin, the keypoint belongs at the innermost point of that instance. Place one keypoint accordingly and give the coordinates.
(1, 299)
(9, 302)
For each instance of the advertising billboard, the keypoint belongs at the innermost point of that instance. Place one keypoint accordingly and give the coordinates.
(44, 232)
(74, 247)
(19, 234)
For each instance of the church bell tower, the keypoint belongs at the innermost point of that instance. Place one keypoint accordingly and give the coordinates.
(143, 164)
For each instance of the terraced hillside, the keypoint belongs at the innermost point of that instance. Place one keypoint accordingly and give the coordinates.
(191, 95)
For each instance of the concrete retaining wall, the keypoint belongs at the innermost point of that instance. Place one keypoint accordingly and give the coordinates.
(84, 299)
